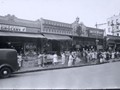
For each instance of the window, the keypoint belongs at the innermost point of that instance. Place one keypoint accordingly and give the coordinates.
(52, 30)
(108, 23)
(109, 30)
(117, 34)
(116, 21)
(45, 30)
(117, 27)
(112, 24)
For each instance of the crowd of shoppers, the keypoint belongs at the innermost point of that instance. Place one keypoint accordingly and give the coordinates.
(71, 58)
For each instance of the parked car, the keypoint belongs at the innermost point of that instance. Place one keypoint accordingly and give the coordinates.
(8, 62)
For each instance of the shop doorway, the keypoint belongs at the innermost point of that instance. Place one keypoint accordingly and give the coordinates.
(18, 46)
(56, 46)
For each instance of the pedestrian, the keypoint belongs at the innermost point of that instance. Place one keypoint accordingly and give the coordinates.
(63, 58)
(104, 56)
(70, 62)
(113, 55)
(78, 57)
(74, 57)
(98, 56)
(84, 56)
(44, 59)
(20, 60)
(117, 54)
(55, 58)
(40, 61)
(101, 58)
(107, 55)
(93, 56)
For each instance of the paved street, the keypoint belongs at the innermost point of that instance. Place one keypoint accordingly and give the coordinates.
(97, 76)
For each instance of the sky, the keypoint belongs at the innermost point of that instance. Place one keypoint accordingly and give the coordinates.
(89, 11)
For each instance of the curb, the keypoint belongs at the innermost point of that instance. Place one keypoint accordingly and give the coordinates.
(55, 68)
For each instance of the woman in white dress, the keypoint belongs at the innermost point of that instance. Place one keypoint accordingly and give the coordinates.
(63, 58)
(70, 62)
(55, 59)
(113, 55)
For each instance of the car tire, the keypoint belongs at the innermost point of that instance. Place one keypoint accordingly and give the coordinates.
(5, 72)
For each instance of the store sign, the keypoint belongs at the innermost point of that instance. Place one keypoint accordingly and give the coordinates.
(12, 28)
(96, 33)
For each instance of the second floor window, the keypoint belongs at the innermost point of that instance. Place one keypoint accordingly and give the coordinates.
(117, 27)
(109, 30)
(108, 23)
(117, 34)
(112, 24)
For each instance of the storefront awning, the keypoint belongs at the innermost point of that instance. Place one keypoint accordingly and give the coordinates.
(111, 37)
(28, 35)
(57, 37)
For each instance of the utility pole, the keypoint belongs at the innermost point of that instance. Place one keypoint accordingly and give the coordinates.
(100, 24)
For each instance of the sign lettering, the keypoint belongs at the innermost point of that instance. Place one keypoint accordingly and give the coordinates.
(12, 28)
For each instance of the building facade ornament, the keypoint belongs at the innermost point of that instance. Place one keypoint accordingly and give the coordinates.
(79, 28)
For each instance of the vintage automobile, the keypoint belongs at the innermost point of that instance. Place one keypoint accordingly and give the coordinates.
(8, 62)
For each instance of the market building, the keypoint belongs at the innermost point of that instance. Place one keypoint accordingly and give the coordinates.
(33, 37)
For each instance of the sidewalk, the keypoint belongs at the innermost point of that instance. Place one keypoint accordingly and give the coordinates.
(59, 66)
(34, 69)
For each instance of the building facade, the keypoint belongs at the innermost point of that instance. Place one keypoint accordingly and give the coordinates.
(113, 33)
(33, 37)
(22, 35)
(113, 25)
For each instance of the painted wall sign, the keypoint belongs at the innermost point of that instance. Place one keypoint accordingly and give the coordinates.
(12, 28)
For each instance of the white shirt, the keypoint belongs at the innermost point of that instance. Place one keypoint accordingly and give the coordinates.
(55, 58)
